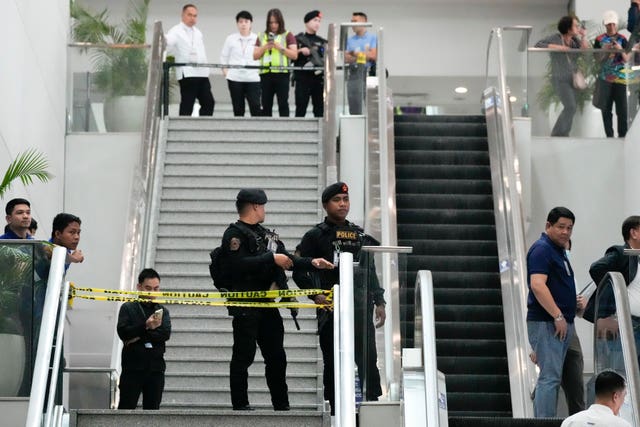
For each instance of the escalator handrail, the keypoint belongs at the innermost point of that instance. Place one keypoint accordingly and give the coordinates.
(625, 328)
(45, 339)
(425, 339)
(509, 233)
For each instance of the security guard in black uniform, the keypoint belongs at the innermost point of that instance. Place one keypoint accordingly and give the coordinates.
(327, 240)
(256, 260)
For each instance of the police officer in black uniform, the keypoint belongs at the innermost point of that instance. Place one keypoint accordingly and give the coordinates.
(310, 83)
(327, 240)
(256, 260)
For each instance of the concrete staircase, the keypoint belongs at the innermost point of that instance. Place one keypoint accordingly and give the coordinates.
(205, 163)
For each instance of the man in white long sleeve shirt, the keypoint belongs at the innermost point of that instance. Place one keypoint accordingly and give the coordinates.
(610, 393)
(185, 43)
(243, 82)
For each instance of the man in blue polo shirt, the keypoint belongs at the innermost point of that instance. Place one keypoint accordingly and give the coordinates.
(360, 55)
(551, 306)
(18, 219)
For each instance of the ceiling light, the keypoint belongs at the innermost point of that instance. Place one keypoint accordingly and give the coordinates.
(513, 98)
(461, 90)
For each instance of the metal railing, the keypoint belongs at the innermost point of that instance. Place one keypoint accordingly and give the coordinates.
(50, 321)
(624, 337)
(505, 178)
(144, 181)
(425, 339)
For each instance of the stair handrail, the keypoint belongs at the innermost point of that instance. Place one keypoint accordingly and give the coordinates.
(626, 334)
(329, 162)
(45, 340)
(425, 339)
(143, 181)
(507, 201)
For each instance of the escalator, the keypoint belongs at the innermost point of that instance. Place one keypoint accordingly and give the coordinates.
(445, 212)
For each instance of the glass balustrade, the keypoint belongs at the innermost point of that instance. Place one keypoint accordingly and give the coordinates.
(107, 85)
(558, 108)
(24, 271)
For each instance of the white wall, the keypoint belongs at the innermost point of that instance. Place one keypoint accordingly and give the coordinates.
(587, 177)
(32, 105)
(98, 178)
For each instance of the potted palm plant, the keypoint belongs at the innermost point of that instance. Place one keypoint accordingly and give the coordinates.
(120, 70)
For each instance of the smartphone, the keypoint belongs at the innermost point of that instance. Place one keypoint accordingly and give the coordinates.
(158, 314)
(271, 37)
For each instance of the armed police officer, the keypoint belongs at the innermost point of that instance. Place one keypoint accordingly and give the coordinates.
(327, 240)
(255, 260)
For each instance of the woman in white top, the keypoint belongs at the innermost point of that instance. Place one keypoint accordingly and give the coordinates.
(244, 83)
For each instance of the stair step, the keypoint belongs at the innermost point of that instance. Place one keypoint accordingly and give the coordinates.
(243, 160)
(202, 380)
(276, 124)
(240, 147)
(208, 415)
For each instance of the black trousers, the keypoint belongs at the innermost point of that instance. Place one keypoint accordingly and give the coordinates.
(132, 383)
(192, 88)
(356, 88)
(275, 84)
(618, 94)
(240, 91)
(309, 86)
(572, 381)
(366, 356)
(261, 326)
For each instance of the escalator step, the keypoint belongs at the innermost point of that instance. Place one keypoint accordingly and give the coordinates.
(440, 129)
(480, 401)
(442, 157)
(467, 296)
(447, 231)
(477, 330)
(470, 348)
(472, 143)
(451, 247)
(444, 201)
(469, 313)
(410, 172)
(421, 118)
(446, 279)
(456, 186)
(473, 365)
(471, 383)
(497, 419)
(457, 263)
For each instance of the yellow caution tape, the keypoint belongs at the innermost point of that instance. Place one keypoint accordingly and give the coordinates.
(203, 298)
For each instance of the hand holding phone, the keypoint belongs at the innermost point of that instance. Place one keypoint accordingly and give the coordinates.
(158, 314)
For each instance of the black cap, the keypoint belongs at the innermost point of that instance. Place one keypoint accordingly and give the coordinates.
(333, 189)
(313, 14)
(252, 195)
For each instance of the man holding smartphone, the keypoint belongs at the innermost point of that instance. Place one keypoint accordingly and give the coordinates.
(144, 327)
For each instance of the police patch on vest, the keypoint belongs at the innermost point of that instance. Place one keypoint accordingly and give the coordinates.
(234, 244)
(346, 235)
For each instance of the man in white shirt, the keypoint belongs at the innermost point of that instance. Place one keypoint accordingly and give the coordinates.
(610, 393)
(185, 43)
(244, 83)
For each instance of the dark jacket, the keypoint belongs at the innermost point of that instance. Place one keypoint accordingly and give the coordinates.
(143, 349)
(323, 241)
(615, 260)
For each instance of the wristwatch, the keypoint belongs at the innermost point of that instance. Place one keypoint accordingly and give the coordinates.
(558, 318)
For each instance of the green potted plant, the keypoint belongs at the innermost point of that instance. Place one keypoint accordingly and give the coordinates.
(120, 72)
(26, 166)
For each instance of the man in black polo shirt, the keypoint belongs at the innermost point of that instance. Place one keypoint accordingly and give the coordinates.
(310, 84)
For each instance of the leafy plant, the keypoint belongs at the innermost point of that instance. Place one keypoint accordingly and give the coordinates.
(27, 166)
(120, 70)
(15, 274)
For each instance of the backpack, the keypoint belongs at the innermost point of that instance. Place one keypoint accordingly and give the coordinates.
(217, 271)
